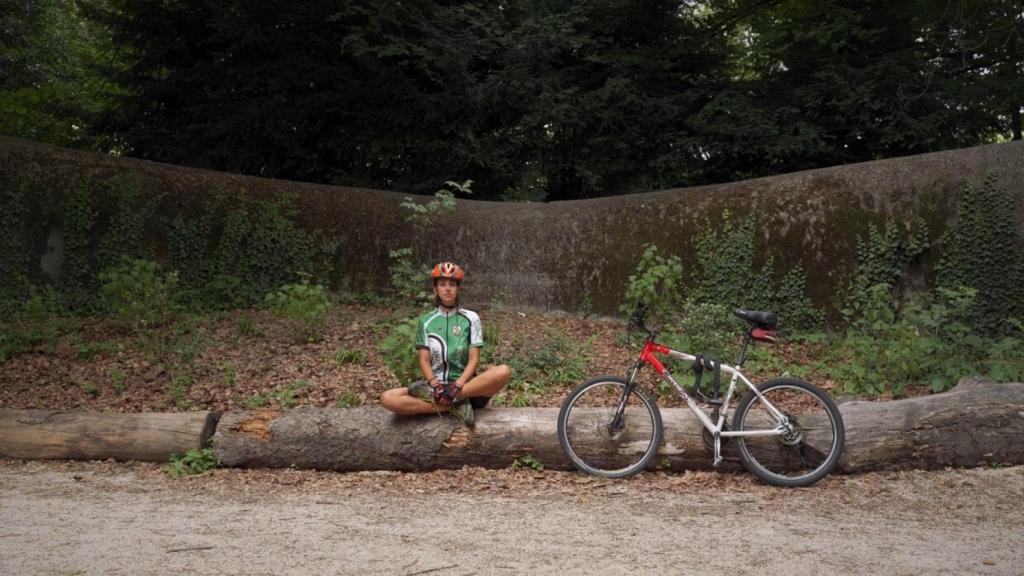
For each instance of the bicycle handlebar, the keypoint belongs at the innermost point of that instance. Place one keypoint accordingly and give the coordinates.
(638, 317)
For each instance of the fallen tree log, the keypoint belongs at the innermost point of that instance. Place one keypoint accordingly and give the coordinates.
(977, 422)
(371, 438)
(153, 437)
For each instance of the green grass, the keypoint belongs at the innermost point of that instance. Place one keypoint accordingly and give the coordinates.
(348, 400)
(88, 350)
(117, 378)
(350, 356)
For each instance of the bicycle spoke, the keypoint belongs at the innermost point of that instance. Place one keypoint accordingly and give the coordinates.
(803, 454)
(591, 442)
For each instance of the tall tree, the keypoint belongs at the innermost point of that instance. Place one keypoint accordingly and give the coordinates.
(584, 98)
(52, 85)
(979, 45)
(834, 81)
(606, 89)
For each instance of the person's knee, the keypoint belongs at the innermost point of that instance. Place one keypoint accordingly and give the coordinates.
(389, 398)
(504, 372)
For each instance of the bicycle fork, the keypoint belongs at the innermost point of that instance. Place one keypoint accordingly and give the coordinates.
(620, 411)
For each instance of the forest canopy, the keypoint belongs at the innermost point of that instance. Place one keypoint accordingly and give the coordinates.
(532, 100)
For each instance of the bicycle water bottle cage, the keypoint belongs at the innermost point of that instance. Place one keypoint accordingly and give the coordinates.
(699, 365)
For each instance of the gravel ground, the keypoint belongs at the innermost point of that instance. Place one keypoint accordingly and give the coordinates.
(108, 518)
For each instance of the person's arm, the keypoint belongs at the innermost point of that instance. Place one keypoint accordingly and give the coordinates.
(425, 367)
(467, 374)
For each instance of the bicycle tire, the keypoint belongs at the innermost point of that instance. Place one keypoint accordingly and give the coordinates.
(589, 443)
(801, 458)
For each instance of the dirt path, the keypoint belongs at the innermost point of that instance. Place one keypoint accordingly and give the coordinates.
(104, 518)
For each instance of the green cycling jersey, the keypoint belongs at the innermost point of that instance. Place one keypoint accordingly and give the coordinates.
(449, 335)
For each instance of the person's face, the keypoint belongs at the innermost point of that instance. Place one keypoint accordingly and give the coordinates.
(447, 291)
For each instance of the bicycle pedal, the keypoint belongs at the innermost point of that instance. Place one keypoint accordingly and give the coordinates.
(711, 402)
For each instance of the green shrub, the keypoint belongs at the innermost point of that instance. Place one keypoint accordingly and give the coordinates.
(254, 401)
(304, 304)
(528, 461)
(117, 378)
(139, 294)
(492, 342)
(710, 329)
(188, 339)
(192, 462)
(658, 283)
(927, 342)
(409, 281)
(408, 274)
(398, 349)
(422, 214)
(38, 322)
(882, 346)
(1005, 362)
(104, 221)
(369, 298)
(222, 292)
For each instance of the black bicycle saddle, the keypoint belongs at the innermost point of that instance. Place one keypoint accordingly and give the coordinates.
(766, 320)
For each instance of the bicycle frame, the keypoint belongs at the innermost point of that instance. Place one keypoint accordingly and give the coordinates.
(648, 355)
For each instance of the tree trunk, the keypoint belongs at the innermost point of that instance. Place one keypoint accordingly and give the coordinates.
(47, 434)
(976, 423)
(1015, 121)
(371, 438)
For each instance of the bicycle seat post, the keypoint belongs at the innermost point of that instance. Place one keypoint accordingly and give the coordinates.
(743, 349)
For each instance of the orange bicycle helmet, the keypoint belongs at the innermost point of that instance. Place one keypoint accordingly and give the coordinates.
(447, 270)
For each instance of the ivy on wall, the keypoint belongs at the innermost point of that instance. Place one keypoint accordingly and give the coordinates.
(726, 277)
(102, 221)
(232, 250)
(15, 247)
(727, 274)
(229, 249)
(981, 250)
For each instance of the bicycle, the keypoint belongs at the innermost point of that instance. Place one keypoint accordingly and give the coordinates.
(787, 431)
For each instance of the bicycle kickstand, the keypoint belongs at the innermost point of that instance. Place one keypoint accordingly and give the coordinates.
(718, 451)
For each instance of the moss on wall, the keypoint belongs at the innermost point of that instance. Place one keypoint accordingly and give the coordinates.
(553, 255)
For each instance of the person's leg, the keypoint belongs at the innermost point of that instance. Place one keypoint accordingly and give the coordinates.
(399, 401)
(487, 383)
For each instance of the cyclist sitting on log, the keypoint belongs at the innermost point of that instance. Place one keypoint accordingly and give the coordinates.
(448, 341)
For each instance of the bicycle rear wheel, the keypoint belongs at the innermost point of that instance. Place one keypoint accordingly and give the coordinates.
(594, 442)
(811, 446)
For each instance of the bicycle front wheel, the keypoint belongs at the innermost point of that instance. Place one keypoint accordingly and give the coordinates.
(813, 433)
(599, 443)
